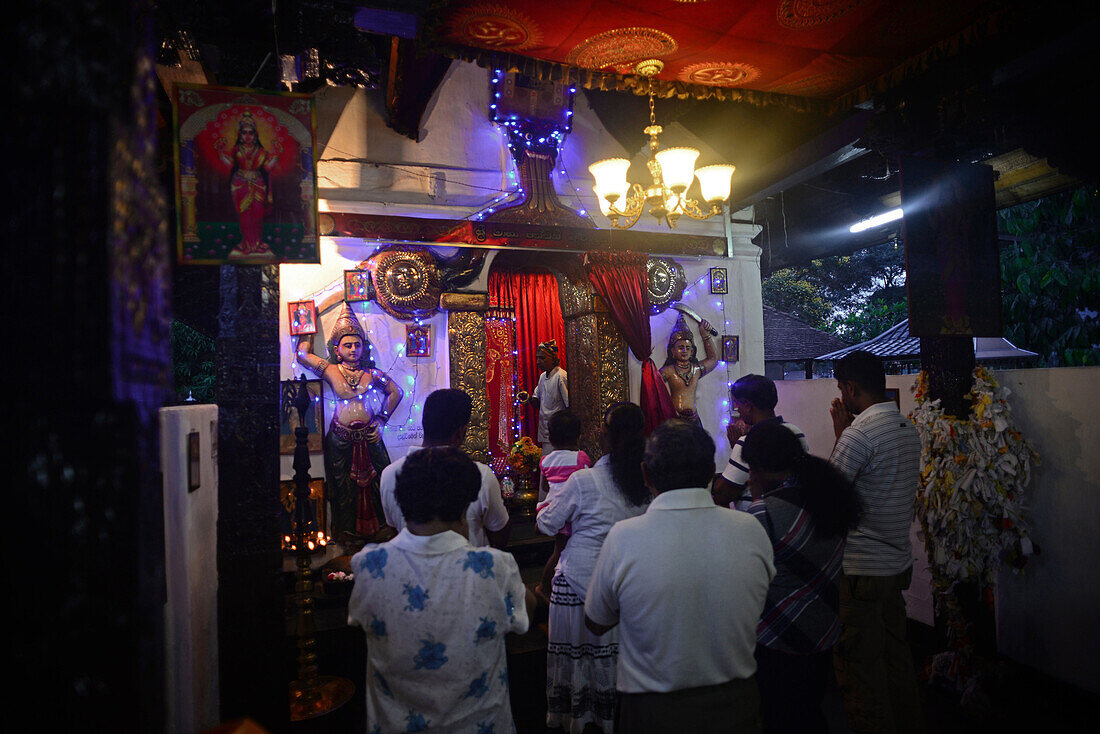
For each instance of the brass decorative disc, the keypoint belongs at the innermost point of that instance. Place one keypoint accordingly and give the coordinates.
(665, 282)
(406, 281)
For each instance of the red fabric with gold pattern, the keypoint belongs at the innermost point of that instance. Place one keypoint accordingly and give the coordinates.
(500, 367)
(812, 48)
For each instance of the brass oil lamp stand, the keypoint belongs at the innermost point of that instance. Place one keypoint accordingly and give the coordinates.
(311, 695)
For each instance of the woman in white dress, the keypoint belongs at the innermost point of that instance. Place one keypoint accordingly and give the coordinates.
(580, 666)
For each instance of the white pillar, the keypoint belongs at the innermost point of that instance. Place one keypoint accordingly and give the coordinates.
(745, 281)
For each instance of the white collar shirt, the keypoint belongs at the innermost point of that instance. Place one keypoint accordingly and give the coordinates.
(591, 501)
(686, 583)
(487, 512)
(435, 611)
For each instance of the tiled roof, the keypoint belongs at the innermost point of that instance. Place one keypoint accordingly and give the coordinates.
(895, 343)
(786, 339)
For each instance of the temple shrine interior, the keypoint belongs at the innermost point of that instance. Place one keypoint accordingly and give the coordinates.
(263, 234)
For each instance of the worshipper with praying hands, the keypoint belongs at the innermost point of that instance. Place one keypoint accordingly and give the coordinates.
(754, 398)
(878, 449)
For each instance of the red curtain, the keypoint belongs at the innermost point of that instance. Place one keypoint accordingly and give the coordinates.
(533, 298)
(620, 280)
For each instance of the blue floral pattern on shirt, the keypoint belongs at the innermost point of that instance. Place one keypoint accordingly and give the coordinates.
(416, 722)
(481, 562)
(431, 655)
(510, 605)
(377, 627)
(417, 597)
(382, 684)
(478, 687)
(374, 562)
(487, 630)
(483, 728)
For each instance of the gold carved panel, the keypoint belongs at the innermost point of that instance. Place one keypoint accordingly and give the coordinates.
(597, 373)
(466, 342)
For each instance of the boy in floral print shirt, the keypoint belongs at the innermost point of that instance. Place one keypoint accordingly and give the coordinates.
(435, 609)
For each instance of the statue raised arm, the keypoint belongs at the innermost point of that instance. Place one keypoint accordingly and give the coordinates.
(682, 369)
(354, 451)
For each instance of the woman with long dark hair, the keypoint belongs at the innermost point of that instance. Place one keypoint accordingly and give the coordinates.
(807, 507)
(580, 666)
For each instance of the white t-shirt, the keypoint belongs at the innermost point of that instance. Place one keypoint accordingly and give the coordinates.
(686, 582)
(435, 611)
(591, 501)
(553, 394)
(487, 512)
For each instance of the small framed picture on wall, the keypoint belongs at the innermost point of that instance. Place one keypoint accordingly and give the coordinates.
(302, 316)
(731, 345)
(718, 282)
(418, 341)
(357, 285)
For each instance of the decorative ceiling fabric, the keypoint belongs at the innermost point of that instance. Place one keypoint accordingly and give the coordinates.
(813, 50)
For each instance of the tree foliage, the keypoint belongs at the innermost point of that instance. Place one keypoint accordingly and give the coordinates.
(855, 296)
(786, 290)
(193, 359)
(1050, 277)
(870, 319)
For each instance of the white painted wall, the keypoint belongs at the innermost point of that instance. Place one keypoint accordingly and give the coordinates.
(1046, 616)
(190, 569)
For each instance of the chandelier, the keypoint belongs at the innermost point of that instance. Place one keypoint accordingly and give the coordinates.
(672, 169)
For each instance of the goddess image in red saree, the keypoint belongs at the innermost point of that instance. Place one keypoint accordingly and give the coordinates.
(246, 176)
(250, 167)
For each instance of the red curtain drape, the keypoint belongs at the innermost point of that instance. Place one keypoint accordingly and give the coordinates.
(620, 280)
(533, 298)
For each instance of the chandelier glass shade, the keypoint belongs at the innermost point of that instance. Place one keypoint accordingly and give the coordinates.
(672, 170)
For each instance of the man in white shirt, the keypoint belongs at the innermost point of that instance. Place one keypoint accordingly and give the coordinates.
(686, 582)
(446, 417)
(879, 451)
(435, 609)
(754, 397)
(552, 392)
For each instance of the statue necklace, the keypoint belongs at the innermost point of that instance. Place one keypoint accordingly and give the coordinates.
(344, 373)
(685, 376)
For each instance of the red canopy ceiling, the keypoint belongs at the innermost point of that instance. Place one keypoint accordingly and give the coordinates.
(818, 49)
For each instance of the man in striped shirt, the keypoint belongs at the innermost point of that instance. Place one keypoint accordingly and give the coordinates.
(754, 398)
(878, 449)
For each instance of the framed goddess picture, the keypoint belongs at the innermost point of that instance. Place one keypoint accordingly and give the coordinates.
(246, 183)
(357, 285)
(719, 282)
(302, 316)
(731, 344)
(418, 341)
